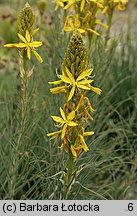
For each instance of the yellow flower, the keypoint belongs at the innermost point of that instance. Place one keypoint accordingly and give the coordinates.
(115, 4)
(66, 121)
(121, 6)
(28, 45)
(81, 82)
(72, 23)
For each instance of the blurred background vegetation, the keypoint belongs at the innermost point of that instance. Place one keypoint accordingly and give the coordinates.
(109, 169)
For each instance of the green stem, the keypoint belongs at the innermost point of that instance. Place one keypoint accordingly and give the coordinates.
(68, 179)
(64, 17)
(110, 16)
(15, 163)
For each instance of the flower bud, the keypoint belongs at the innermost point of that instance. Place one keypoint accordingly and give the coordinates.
(76, 55)
(25, 20)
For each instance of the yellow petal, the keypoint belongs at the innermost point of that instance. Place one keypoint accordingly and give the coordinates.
(28, 52)
(62, 113)
(71, 115)
(83, 82)
(19, 45)
(68, 29)
(89, 116)
(92, 31)
(84, 145)
(57, 119)
(54, 134)
(105, 9)
(99, 5)
(82, 5)
(35, 43)
(71, 93)
(63, 131)
(84, 74)
(90, 133)
(27, 36)
(37, 56)
(77, 22)
(81, 102)
(89, 105)
(102, 24)
(81, 30)
(10, 45)
(79, 150)
(57, 6)
(87, 17)
(83, 87)
(57, 90)
(22, 38)
(35, 31)
(65, 79)
(73, 151)
(55, 82)
(70, 75)
(96, 90)
(61, 4)
(72, 124)
(67, 6)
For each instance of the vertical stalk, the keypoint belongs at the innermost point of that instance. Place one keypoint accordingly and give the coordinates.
(64, 16)
(15, 163)
(68, 177)
(110, 16)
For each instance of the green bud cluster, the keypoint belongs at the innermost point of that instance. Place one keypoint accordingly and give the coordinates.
(76, 58)
(25, 20)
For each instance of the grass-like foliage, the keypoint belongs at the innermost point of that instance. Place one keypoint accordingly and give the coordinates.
(109, 169)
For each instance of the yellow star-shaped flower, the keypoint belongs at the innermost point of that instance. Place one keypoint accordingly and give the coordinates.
(81, 82)
(73, 23)
(28, 45)
(66, 121)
